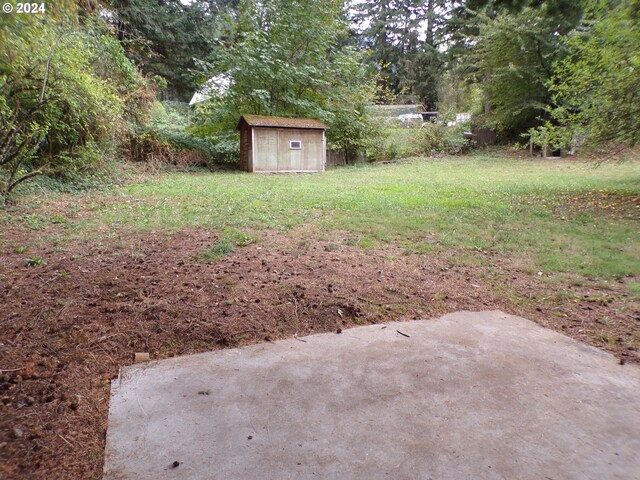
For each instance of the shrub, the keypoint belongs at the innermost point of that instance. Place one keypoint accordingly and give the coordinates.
(65, 96)
(356, 133)
(549, 137)
(225, 148)
(438, 138)
(169, 138)
(149, 146)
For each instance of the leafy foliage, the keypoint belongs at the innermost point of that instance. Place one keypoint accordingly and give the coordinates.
(437, 138)
(287, 58)
(514, 56)
(66, 91)
(166, 37)
(596, 87)
(164, 138)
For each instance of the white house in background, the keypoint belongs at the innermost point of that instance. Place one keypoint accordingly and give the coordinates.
(217, 85)
(460, 118)
(410, 117)
(463, 117)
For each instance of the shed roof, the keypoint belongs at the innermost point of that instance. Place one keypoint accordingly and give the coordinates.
(282, 122)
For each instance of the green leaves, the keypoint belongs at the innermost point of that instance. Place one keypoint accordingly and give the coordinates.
(65, 88)
(287, 58)
(514, 55)
(596, 87)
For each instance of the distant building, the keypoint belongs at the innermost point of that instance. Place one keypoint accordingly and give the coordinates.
(410, 117)
(463, 117)
(281, 145)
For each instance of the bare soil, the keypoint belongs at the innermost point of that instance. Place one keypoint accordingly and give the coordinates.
(69, 324)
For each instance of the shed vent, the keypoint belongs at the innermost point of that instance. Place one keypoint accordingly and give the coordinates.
(295, 144)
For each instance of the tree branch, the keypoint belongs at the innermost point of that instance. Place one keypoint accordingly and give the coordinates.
(27, 176)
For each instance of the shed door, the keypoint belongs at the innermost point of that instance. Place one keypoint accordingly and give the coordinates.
(289, 159)
(266, 150)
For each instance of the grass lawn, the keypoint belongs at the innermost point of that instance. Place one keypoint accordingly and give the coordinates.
(554, 216)
(178, 263)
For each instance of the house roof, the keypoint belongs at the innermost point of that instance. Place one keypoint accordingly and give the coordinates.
(282, 122)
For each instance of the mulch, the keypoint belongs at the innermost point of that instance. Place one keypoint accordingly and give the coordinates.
(68, 325)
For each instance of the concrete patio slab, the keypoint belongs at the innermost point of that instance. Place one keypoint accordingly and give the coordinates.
(472, 395)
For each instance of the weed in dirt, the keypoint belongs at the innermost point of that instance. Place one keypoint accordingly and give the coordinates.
(94, 456)
(20, 249)
(34, 262)
(220, 250)
(366, 243)
(604, 321)
(34, 222)
(58, 219)
(422, 248)
(605, 338)
(226, 245)
(238, 237)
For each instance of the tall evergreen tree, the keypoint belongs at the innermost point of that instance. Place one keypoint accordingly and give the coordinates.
(165, 37)
(407, 40)
(389, 30)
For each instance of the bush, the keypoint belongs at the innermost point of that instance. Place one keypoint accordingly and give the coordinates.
(356, 133)
(168, 138)
(398, 144)
(549, 137)
(455, 143)
(148, 146)
(66, 93)
(225, 148)
(438, 138)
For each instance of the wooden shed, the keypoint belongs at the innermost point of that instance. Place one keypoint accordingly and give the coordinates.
(279, 144)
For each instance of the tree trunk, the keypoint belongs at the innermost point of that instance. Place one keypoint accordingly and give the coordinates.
(431, 15)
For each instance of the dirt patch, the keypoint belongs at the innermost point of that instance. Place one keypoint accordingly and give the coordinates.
(69, 323)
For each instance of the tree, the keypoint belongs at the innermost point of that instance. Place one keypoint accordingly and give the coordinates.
(165, 37)
(390, 32)
(513, 59)
(284, 57)
(65, 87)
(569, 11)
(596, 86)
(406, 40)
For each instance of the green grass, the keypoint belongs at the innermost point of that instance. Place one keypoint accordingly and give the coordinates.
(475, 205)
(220, 250)
(225, 245)
(34, 262)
